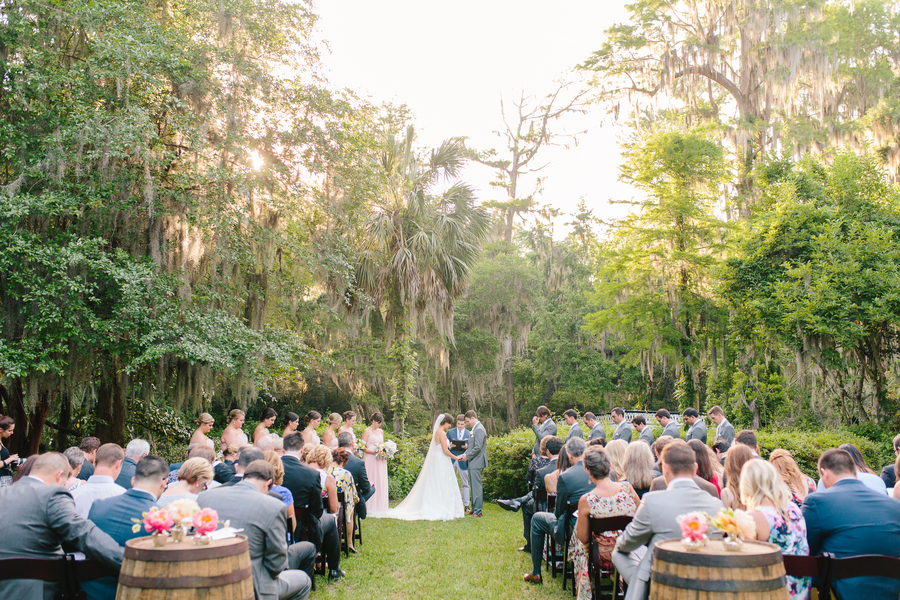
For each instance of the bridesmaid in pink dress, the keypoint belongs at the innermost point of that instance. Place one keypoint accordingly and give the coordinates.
(376, 468)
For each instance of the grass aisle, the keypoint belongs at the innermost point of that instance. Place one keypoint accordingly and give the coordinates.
(472, 559)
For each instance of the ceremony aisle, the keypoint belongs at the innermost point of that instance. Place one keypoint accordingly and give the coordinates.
(471, 559)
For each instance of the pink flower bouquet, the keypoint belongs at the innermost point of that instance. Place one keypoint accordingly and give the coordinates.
(206, 521)
(158, 521)
(693, 526)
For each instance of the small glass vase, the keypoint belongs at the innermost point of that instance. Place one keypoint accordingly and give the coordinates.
(694, 545)
(159, 539)
(201, 540)
(177, 533)
(733, 542)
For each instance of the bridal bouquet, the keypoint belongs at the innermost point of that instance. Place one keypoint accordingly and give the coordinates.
(386, 450)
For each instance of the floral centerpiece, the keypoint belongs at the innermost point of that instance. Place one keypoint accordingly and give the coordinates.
(205, 522)
(736, 525)
(386, 450)
(693, 529)
(157, 522)
(183, 512)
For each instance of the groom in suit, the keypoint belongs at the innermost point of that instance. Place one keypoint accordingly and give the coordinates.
(476, 457)
(461, 434)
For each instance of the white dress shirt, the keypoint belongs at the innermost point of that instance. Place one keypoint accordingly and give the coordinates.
(97, 487)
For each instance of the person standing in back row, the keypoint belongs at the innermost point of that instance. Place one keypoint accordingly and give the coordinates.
(670, 427)
(697, 429)
(542, 425)
(724, 429)
(623, 427)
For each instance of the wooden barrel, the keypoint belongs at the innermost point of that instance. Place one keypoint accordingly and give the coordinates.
(186, 571)
(756, 572)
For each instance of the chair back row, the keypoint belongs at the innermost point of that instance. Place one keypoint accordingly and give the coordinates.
(64, 570)
(826, 568)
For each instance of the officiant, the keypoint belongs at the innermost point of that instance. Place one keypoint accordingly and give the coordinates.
(458, 439)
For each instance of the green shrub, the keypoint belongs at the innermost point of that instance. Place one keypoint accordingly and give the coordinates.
(404, 468)
(508, 458)
(807, 446)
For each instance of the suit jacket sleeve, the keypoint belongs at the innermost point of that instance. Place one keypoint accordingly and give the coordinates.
(477, 444)
(315, 503)
(363, 486)
(562, 497)
(81, 533)
(638, 533)
(275, 557)
(814, 531)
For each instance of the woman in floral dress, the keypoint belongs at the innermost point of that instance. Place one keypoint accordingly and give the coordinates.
(778, 520)
(343, 479)
(607, 499)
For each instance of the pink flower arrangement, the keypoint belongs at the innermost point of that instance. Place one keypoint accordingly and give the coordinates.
(693, 526)
(158, 521)
(206, 521)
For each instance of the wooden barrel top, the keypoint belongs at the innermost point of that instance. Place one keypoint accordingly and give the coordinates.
(714, 554)
(142, 549)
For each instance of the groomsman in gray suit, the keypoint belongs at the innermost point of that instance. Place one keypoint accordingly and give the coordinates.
(656, 518)
(670, 427)
(476, 457)
(595, 428)
(724, 429)
(640, 423)
(697, 429)
(571, 418)
(543, 426)
(623, 428)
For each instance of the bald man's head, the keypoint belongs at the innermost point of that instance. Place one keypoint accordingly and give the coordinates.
(52, 468)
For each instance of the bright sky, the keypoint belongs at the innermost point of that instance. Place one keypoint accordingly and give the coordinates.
(451, 64)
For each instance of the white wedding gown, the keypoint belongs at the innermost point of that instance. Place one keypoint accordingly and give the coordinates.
(436, 494)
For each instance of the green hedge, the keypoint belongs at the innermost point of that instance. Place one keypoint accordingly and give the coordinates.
(807, 446)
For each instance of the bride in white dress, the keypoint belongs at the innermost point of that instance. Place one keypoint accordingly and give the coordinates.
(435, 496)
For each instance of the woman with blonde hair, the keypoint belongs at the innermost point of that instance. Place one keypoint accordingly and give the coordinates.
(800, 485)
(233, 434)
(193, 476)
(205, 424)
(329, 438)
(319, 458)
(616, 451)
(778, 520)
(639, 468)
(278, 467)
(737, 457)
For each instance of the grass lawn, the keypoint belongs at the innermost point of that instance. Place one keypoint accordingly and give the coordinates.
(466, 559)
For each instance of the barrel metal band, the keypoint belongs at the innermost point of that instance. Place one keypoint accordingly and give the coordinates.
(188, 555)
(723, 561)
(704, 585)
(181, 583)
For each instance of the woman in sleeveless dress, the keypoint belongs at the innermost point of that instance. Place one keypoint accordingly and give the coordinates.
(205, 424)
(265, 421)
(233, 434)
(309, 433)
(607, 499)
(349, 422)
(778, 520)
(329, 438)
(291, 422)
(435, 495)
(376, 468)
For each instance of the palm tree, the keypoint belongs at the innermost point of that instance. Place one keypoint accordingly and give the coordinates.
(418, 251)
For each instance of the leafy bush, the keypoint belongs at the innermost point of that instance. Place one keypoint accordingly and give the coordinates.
(404, 468)
(508, 457)
(807, 446)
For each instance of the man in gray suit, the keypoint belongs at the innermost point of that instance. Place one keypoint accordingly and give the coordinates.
(38, 516)
(571, 418)
(656, 518)
(476, 456)
(279, 573)
(542, 425)
(670, 427)
(640, 423)
(724, 429)
(697, 429)
(623, 428)
(595, 428)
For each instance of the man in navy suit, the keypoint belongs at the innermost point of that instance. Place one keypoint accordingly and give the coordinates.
(113, 515)
(357, 468)
(134, 452)
(850, 519)
(461, 434)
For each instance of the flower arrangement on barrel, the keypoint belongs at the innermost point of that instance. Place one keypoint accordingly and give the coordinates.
(734, 524)
(175, 520)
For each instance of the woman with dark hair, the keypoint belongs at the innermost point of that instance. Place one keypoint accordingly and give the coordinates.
(349, 421)
(291, 423)
(375, 467)
(562, 463)
(24, 469)
(863, 472)
(312, 420)
(265, 421)
(705, 468)
(343, 479)
(7, 426)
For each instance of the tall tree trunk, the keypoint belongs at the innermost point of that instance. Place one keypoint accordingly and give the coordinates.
(15, 403)
(65, 418)
(112, 404)
(36, 422)
(512, 412)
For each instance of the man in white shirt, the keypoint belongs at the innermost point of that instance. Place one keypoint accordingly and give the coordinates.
(102, 484)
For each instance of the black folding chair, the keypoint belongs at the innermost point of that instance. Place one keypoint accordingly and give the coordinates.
(357, 525)
(811, 566)
(596, 568)
(343, 533)
(571, 510)
(64, 571)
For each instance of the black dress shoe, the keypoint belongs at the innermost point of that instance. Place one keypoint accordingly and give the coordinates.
(335, 574)
(525, 549)
(512, 505)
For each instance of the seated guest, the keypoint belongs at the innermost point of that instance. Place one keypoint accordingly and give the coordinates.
(863, 472)
(615, 450)
(194, 451)
(113, 515)
(357, 468)
(102, 484)
(639, 468)
(266, 444)
(799, 484)
(38, 516)
(778, 520)
(697, 428)
(193, 476)
(319, 458)
(246, 455)
(571, 486)
(706, 464)
(344, 482)
(225, 469)
(537, 463)
(595, 429)
(660, 483)
(277, 488)
(76, 459)
(607, 499)
(278, 443)
(278, 571)
(640, 423)
(746, 437)
(720, 447)
(889, 473)
(551, 478)
(134, 452)
(89, 446)
(670, 427)
(734, 464)
(24, 469)
(850, 519)
(656, 518)
(658, 446)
